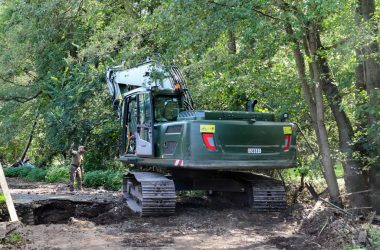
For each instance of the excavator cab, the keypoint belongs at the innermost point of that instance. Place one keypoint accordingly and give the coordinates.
(141, 111)
(145, 95)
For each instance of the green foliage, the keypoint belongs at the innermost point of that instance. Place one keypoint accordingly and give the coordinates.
(95, 178)
(374, 237)
(13, 238)
(109, 179)
(57, 174)
(31, 174)
(339, 171)
(36, 174)
(12, 172)
(2, 198)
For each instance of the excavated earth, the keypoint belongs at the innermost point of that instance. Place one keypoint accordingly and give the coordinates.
(54, 218)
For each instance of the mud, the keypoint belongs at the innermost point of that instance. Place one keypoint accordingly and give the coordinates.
(97, 219)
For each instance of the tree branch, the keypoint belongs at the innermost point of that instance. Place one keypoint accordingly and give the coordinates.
(254, 9)
(20, 99)
(7, 80)
(13, 83)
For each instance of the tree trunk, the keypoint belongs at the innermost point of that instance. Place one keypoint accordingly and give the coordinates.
(371, 77)
(23, 155)
(354, 180)
(323, 137)
(231, 45)
(315, 105)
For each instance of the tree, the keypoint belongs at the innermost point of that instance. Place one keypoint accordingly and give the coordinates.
(368, 74)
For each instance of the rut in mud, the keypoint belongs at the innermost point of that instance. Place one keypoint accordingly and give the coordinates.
(60, 211)
(41, 203)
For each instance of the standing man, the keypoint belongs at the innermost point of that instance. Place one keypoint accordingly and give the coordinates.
(76, 169)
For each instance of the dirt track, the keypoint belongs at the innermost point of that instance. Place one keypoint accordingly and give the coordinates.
(198, 224)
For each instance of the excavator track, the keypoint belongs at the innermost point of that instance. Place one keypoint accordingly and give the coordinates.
(268, 195)
(149, 193)
(265, 194)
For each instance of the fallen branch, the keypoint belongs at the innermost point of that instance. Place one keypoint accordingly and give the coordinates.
(336, 207)
(315, 208)
(359, 192)
(316, 198)
(357, 208)
(312, 191)
(327, 221)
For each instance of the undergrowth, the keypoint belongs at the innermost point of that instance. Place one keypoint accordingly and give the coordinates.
(30, 174)
(374, 237)
(109, 179)
(2, 198)
(13, 238)
(57, 174)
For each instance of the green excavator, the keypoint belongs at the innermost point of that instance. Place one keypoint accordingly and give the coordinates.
(181, 148)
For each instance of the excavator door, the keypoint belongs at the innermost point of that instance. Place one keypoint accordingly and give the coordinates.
(137, 124)
(144, 132)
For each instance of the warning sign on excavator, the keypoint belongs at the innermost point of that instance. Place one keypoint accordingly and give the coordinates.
(207, 128)
(287, 130)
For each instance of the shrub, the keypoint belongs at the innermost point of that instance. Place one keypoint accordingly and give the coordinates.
(110, 180)
(57, 174)
(114, 181)
(12, 172)
(16, 171)
(95, 178)
(36, 174)
(31, 174)
(24, 171)
(374, 237)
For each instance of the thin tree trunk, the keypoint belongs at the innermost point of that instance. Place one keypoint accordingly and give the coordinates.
(353, 174)
(371, 77)
(354, 180)
(27, 146)
(231, 45)
(315, 106)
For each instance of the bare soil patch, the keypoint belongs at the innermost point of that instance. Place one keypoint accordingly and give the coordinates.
(100, 220)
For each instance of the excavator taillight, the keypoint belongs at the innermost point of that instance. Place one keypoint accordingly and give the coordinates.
(287, 142)
(208, 139)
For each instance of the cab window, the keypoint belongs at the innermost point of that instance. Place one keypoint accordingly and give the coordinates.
(166, 108)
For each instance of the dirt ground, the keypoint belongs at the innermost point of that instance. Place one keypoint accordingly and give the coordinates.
(197, 224)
